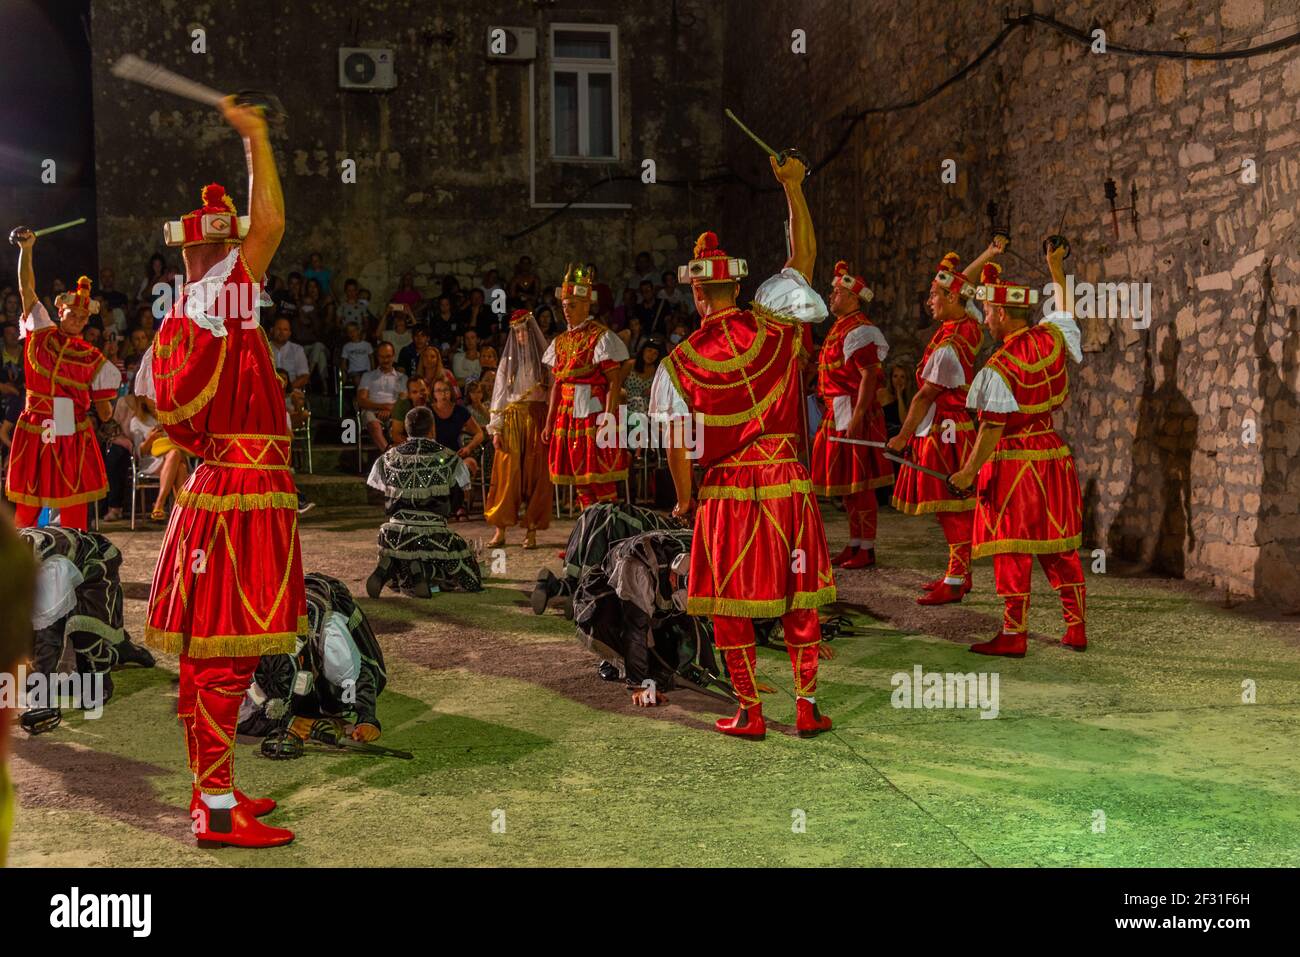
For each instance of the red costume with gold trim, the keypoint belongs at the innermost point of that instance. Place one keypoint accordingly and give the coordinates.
(580, 358)
(854, 348)
(949, 362)
(759, 545)
(55, 460)
(1028, 500)
(228, 587)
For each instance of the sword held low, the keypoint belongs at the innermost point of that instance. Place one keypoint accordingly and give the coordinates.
(905, 461)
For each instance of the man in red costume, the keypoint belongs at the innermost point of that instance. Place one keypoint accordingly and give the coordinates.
(228, 587)
(1028, 500)
(55, 461)
(938, 431)
(759, 546)
(586, 360)
(848, 375)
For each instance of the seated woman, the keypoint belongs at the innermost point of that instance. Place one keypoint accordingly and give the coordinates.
(174, 470)
(418, 553)
(451, 421)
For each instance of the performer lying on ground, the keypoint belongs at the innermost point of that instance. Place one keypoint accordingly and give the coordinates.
(78, 600)
(228, 587)
(418, 553)
(597, 530)
(586, 359)
(759, 548)
(1028, 500)
(55, 461)
(938, 431)
(337, 672)
(521, 480)
(848, 376)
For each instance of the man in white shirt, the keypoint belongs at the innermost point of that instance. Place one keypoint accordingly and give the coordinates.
(378, 392)
(289, 356)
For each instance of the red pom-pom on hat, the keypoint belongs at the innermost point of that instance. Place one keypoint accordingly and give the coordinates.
(706, 247)
(991, 273)
(215, 199)
(949, 263)
(841, 268)
(84, 283)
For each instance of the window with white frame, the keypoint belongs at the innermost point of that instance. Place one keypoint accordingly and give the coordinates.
(584, 91)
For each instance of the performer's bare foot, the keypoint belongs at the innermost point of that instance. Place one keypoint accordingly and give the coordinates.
(1075, 638)
(158, 514)
(237, 827)
(530, 538)
(848, 552)
(259, 807)
(1004, 645)
(497, 540)
(747, 723)
(648, 698)
(825, 652)
(862, 558)
(808, 720)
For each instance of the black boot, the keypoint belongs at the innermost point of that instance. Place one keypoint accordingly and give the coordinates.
(129, 653)
(420, 583)
(379, 577)
(546, 588)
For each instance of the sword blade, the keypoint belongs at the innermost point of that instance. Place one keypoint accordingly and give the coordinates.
(750, 133)
(901, 460)
(54, 229)
(131, 67)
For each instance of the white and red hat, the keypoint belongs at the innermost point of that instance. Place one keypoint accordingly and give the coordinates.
(854, 284)
(214, 222)
(993, 291)
(950, 277)
(78, 297)
(712, 264)
(579, 283)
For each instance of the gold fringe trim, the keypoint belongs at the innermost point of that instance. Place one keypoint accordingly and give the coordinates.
(1026, 546)
(188, 410)
(830, 491)
(226, 646)
(1031, 455)
(28, 427)
(79, 499)
(772, 608)
(756, 493)
(589, 479)
(939, 505)
(242, 502)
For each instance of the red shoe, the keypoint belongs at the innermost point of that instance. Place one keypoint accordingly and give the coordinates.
(808, 720)
(944, 594)
(865, 558)
(1075, 639)
(1004, 645)
(844, 556)
(747, 723)
(237, 827)
(259, 807)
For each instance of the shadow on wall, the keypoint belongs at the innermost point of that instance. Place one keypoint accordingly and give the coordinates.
(1154, 524)
(1278, 528)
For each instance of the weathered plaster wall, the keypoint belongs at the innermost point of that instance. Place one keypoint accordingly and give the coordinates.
(1161, 419)
(442, 161)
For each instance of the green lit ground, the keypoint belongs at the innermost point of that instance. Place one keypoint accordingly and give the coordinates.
(504, 713)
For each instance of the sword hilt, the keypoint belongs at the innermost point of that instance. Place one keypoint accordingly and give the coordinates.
(1056, 242)
(13, 233)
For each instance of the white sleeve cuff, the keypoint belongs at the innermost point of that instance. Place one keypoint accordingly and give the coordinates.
(864, 336)
(990, 393)
(610, 347)
(376, 478)
(943, 368)
(37, 318)
(1069, 329)
(107, 379)
(788, 294)
(664, 397)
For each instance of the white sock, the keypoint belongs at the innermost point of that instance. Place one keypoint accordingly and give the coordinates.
(867, 542)
(808, 699)
(220, 801)
(949, 580)
(855, 543)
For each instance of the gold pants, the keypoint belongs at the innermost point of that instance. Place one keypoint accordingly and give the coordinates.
(521, 478)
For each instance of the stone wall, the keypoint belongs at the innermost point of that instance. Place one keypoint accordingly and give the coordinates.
(442, 161)
(1185, 432)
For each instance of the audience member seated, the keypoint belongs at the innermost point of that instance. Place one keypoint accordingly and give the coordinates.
(378, 392)
(453, 420)
(417, 551)
(406, 293)
(465, 363)
(289, 355)
(357, 354)
(432, 371)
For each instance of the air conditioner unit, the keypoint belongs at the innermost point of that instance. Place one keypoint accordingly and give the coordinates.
(511, 43)
(366, 68)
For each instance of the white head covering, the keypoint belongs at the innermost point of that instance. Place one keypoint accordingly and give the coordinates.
(521, 376)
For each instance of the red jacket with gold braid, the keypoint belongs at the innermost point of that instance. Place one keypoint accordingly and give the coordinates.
(55, 458)
(838, 468)
(937, 445)
(229, 579)
(1028, 497)
(759, 547)
(574, 455)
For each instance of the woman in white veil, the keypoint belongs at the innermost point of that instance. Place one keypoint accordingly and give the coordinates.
(521, 480)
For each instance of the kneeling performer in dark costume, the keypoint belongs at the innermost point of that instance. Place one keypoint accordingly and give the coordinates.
(337, 672)
(417, 551)
(78, 600)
